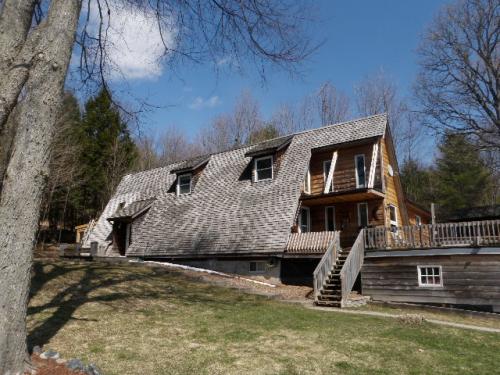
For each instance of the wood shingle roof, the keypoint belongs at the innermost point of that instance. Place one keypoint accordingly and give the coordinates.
(226, 214)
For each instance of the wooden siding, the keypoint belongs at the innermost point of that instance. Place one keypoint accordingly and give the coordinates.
(344, 177)
(467, 279)
(346, 219)
(391, 192)
(414, 211)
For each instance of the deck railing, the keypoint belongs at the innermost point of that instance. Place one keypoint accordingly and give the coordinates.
(325, 265)
(472, 233)
(352, 267)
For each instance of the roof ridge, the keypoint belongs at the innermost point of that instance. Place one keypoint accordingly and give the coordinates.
(258, 143)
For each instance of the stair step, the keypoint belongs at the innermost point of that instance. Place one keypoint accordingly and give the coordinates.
(331, 293)
(329, 297)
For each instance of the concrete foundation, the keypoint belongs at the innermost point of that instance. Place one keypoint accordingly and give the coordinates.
(268, 268)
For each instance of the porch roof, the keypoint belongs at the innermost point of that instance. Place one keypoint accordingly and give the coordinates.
(352, 195)
(131, 210)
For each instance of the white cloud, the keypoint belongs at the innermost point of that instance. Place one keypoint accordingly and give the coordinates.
(201, 103)
(134, 44)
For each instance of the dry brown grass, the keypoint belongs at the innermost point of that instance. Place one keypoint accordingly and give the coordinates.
(139, 320)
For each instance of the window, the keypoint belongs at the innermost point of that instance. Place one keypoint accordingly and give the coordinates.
(330, 218)
(263, 168)
(430, 276)
(326, 169)
(184, 184)
(363, 214)
(418, 220)
(360, 171)
(305, 220)
(257, 267)
(307, 182)
(393, 217)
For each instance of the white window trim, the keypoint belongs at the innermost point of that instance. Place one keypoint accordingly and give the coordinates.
(359, 215)
(256, 175)
(307, 182)
(326, 218)
(257, 271)
(420, 284)
(356, 170)
(325, 176)
(393, 222)
(178, 188)
(308, 219)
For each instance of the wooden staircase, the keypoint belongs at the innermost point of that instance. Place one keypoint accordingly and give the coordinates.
(337, 271)
(331, 292)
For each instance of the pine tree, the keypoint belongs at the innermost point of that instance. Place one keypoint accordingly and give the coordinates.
(418, 183)
(108, 152)
(461, 176)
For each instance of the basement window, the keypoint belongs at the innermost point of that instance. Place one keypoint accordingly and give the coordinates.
(430, 276)
(257, 267)
(263, 168)
(184, 182)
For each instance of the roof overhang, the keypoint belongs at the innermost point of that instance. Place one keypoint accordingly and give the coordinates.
(337, 146)
(353, 195)
(127, 215)
(190, 165)
(269, 147)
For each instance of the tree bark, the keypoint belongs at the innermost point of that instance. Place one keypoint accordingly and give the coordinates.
(26, 176)
(15, 22)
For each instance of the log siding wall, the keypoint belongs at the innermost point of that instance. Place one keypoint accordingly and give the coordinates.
(467, 279)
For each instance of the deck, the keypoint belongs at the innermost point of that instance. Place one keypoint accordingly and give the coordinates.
(484, 233)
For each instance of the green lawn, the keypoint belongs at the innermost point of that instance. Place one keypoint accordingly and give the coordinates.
(139, 320)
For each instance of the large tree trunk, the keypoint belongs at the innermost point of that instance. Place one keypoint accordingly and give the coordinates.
(26, 175)
(15, 22)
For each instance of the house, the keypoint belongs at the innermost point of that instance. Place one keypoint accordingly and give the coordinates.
(302, 206)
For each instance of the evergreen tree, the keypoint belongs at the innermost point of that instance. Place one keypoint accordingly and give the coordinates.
(107, 152)
(461, 176)
(418, 183)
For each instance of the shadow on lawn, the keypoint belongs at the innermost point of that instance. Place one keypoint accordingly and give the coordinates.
(96, 277)
(68, 300)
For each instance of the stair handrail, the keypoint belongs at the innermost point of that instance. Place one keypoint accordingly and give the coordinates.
(325, 265)
(352, 266)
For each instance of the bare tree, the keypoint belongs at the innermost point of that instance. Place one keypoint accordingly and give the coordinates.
(246, 118)
(148, 155)
(333, 106)
(218, 136)
(458, 86)
(285, 120)
(377, 94)
(174, 146)
(34, 58)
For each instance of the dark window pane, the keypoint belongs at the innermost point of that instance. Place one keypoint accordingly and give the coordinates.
(264, 163)
(330, 218)
(360, 169)
(263, 174)
(363, 215)
(184, 189)
(392, 211)
(253, 266)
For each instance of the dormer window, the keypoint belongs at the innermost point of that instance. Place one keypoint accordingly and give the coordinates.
(263, 168)
(184, 182)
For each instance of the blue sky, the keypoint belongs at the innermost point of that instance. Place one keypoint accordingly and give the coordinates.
(361, 37)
